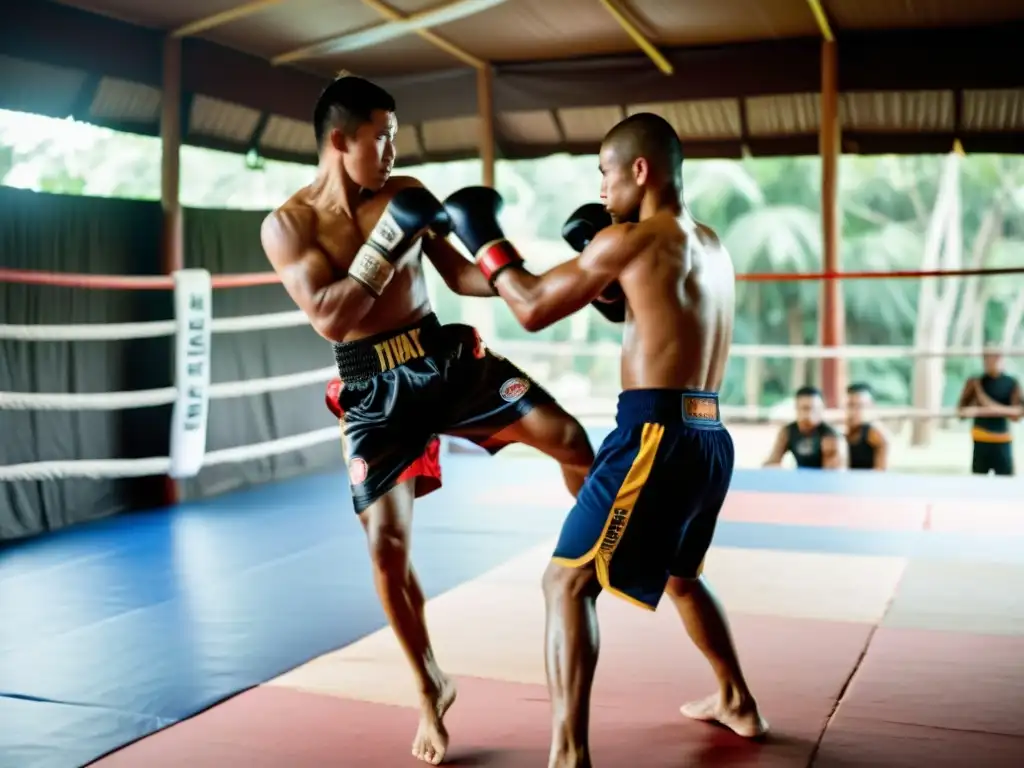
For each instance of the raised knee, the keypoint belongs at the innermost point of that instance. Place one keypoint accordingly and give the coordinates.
(564, 581)
(389, 548)
(576, 443)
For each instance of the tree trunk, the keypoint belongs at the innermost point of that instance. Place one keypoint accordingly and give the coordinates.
(972, 306)
(977, 338)
(931, 332)
(798, 369)
(1014, 321)
(753, 365)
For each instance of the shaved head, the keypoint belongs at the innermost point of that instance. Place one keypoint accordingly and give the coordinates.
(641, 158)
(653, 138)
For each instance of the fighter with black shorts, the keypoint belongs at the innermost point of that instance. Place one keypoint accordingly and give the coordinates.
(645, 517)
(348, 249)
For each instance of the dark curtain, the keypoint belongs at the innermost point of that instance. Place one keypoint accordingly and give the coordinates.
(229, 242)
(79, 234)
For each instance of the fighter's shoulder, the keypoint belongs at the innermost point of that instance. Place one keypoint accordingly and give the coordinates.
(398, 183)
(623, 239)
(877, 434)
(289, 225)
(827, 430)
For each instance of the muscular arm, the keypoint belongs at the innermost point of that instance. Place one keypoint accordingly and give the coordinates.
(967, 396)
(332, 302)
(537, 301)
(879, 440)
(458, 272)
(833, 453)
(778, 449)
(974, 403)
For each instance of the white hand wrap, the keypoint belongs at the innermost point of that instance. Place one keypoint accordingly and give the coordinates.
(371, 270)
(372, 267)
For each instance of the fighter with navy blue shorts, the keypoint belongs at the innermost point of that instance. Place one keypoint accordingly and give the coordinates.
(631, 519)
(349, 250)
(646, 515)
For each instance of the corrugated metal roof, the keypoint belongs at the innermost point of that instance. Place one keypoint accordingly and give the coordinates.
(31, 86)
(753, 90)
(123, 101)
(993, 110)
(289, 136)
(222, 120)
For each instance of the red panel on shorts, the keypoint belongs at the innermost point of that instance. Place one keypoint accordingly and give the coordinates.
(426, 470)
(333, 397)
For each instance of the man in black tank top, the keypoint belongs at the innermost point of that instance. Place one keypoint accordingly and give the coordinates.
(813, 443)
(867, 444)
(993, 400)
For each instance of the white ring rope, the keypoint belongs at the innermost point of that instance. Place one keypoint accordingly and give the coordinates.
(108, 469)
(613, 349)
(144, 398)
(124, 468)
(150, 330)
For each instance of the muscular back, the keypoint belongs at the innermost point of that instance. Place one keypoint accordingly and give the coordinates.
(681, 295)
(312, 246)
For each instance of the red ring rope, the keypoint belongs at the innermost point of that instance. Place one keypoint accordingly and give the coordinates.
(245, 280)
(127, 282)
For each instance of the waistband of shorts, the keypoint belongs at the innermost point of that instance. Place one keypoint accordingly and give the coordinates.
(365, 358)
(669, 406)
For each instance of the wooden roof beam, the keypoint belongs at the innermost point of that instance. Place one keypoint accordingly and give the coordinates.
(822, 18)
(224, 17)
(638, 37)
(461, 54)
(398, 26)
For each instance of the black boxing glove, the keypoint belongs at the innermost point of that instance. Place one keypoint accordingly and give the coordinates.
(410, 213)
(473, 212)
(583, 224)
(579, 229)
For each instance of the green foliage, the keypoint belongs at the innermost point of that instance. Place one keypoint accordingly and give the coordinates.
(766, 210)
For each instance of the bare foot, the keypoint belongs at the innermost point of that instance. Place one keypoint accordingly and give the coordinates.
(431, 740)
(744, 720)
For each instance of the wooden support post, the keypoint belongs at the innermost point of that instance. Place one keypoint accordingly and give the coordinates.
(170, 156)
(833, 314)
(485, 105)
(172, 249)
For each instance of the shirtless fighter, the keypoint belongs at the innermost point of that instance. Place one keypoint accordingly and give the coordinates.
(348, 250)
(644, 518)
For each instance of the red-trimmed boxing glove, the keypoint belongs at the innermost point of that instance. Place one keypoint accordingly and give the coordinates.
(473, 212)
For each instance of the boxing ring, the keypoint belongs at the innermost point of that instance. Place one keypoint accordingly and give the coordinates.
(874, 613)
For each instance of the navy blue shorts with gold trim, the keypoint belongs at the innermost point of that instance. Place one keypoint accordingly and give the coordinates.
(649, 507)
(401, 389)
